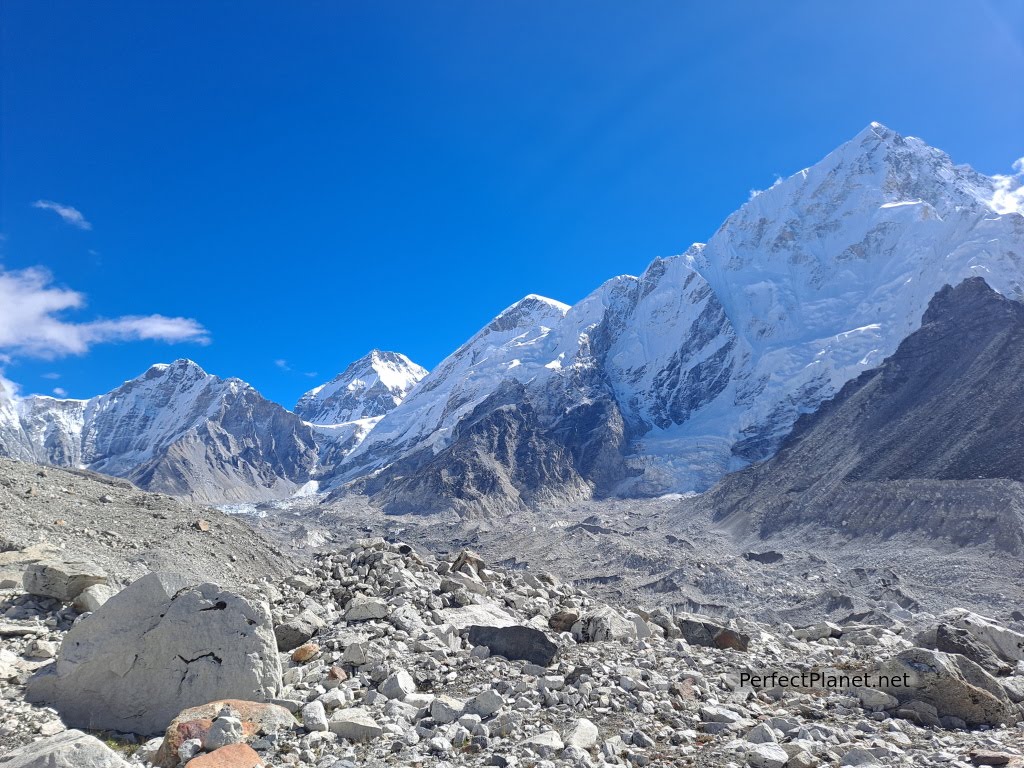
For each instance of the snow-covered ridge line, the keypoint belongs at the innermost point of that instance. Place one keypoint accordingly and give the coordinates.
(692, 369)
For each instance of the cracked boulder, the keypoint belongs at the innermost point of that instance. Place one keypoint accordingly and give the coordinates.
(155, 648)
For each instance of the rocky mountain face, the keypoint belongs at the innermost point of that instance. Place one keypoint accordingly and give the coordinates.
(175, 429)
(929, 441)
(702, 364)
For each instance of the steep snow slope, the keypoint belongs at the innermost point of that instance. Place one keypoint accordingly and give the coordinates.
(711, 356)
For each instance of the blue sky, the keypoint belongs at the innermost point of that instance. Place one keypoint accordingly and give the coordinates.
(304, 181)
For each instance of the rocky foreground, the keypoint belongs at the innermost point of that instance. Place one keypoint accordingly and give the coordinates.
(377, 654)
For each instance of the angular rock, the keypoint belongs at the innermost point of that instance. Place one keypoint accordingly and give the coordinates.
(950, 639)
(545, 743)
(69, 749)
(608, 624)
(516, 643)
(484, 615)
(445, 709)
(365, 609)
(257, 718)
(354, 724)
(954, 685)
(583, 734)
(297, 630)
(314, 717)
(232, 756)
(61, 580)
(1005, 643)
(697, 630)
(484, 704)
(767, 756)
(398, 686)
(155, 648)
(91, 598)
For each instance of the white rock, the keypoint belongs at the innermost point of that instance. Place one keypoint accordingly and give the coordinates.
(484, 704)
(314, 716)
(365, 609)
(767, 756)
(91, 598)
(224, 730)
(398, 685)
(445, 709)
(61, 580)
(354, 724)
(583, 734)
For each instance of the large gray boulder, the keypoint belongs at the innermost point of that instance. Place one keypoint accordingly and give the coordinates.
(68, 749)
(61, 580)
(155, 648)
(954, 685)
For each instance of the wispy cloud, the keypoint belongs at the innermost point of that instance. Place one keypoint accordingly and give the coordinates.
(51, 375)
(1008, 195)
(284, 365)
(31, 323)
(71, 215)
(755, 192)
(60, 391)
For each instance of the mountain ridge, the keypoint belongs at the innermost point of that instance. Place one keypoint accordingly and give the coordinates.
(666, 381)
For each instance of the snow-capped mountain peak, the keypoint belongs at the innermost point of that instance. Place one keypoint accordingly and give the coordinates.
(369, 387)
(710, 356)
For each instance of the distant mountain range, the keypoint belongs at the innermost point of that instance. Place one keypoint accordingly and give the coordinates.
(660, 383)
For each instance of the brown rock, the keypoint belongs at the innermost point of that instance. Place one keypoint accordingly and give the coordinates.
(305, 652)
(193, 723)
(231, 756)
(202, 525)
(562, 621)
(470, 558)
(338, 674)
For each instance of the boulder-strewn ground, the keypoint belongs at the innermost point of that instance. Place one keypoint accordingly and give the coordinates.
(378, 669)
(629, 652)
(124, 530)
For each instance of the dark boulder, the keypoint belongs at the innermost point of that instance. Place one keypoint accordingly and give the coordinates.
(521, 643)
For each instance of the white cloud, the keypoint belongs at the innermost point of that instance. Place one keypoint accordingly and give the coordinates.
(60, 391)
(1008, 194)
(283, 365)
(51, 375)
(31, 322)
(71, 215)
